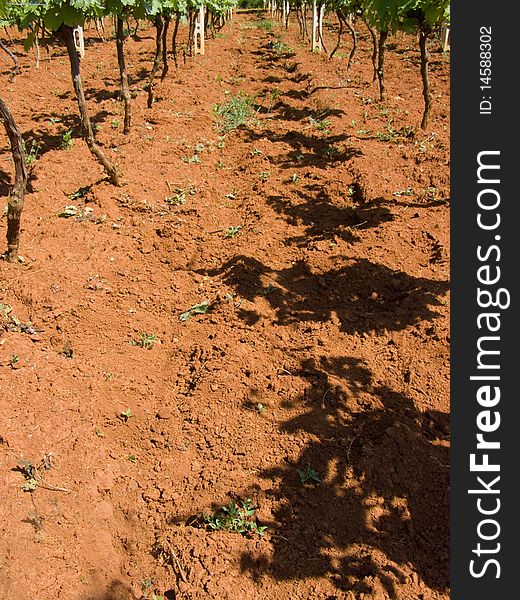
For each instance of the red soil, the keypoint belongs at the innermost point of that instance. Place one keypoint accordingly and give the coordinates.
(329, 308)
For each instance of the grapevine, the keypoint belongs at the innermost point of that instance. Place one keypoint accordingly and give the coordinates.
(61, 18)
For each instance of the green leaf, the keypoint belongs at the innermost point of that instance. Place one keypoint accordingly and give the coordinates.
(126, 414)
(30, 485)
(5, 309)
(196, 309)
(29, 41)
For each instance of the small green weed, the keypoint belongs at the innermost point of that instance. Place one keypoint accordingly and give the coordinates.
(231, 232)
(308, 474)
(68, 211)
(125, 414)
(273, 97)
(236, 112)
(427, 144)
(14, 359)
(332, 152)
(236, 80)
(389, 136)
(30, 485)
(236, 518)
(179, 196)
(80, 193)
(5, 309)
(148, 591)
(31, 154)
(406, 192)
(268, 290)
(196, 309)
(114, 123)
(29, 471)
(132, 458)
(320, 124)
(265, 25)
(191, 160)
(429, 194)
(145, 340)
(12, 322)
(67, 142)
(280, 47)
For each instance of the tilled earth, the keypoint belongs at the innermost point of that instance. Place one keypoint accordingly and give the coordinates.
(315, 384)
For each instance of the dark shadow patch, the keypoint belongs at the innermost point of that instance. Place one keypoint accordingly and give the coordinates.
(384, 486)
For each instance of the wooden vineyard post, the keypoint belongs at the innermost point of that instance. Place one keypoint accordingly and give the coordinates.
(198, 33)
(79, 41)
(445, 38)
(317, 24)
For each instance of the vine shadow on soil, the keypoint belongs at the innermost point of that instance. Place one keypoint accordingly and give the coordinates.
(381, 508)
(306, 150)
(327, 216)
(47, 140)
(287, 112)
(44, 139)
(324, 218)
(362, 295)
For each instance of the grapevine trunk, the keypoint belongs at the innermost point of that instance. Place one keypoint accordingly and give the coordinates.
(86, 126)
(125, 90)
(16, 198)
